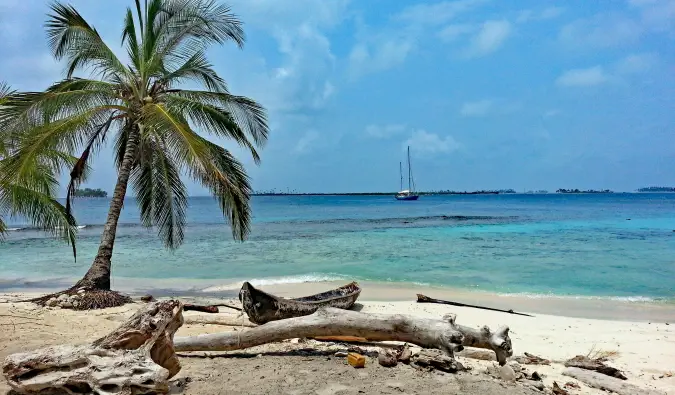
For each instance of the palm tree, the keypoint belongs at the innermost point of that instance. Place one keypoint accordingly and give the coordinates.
(32, 197)
(150, 119)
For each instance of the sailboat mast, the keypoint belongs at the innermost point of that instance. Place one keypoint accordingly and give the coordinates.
(400, 171)
(409, 172)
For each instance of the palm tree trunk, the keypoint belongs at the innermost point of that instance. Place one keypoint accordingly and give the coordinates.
(98, 275)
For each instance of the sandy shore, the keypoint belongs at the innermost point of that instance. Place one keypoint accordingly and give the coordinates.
(638, 335)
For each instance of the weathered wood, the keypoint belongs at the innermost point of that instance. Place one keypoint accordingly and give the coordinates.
(387, 358)
(262, 307)
(136, 358)
(530, 359)
(200, 308)
(583, 362)
(425, 299)
(219, 320)
(604, 382)
(444, 335)
(427, 359)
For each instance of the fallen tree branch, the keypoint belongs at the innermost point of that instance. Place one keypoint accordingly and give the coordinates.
(425, 299)
(136, 358)
(601, 381)
(200, 308)
(444, 334)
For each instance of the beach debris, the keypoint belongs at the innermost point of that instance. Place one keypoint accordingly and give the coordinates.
(147, 298)
(387, 357)
(557, 390)
(572, 385)
(356, 360)
(535, 376)
(137, 357)
(598, 380)
(405, 354)
(584, 362)
(341, 354)
(200, 308)
(444, 334)
(425, 299)
(263, 307)
(530, 359)
(507, 373)
(429, 360)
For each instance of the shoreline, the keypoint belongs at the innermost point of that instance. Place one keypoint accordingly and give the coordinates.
(642, 351)
(624, 309)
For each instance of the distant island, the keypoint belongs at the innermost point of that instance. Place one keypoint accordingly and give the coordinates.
(586, 191)
(294, 193)
(657, 189)
(88, 192)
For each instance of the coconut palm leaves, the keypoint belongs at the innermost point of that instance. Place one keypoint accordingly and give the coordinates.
(30, 193)
(154, 126)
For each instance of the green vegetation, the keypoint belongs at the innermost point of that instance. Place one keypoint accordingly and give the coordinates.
(656, 189)
(151, 120)
(30, 193)
(586, 191)
(88, 192)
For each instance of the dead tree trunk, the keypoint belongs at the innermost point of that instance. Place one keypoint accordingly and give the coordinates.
(136, 358)
(444, 334)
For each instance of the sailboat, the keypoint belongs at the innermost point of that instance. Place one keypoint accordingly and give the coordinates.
(407, 194)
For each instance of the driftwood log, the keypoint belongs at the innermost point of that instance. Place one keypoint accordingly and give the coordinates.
(136, 358)
(444, 335)
(604, 382)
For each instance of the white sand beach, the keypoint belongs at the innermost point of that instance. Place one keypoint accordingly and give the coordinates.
(643, 349)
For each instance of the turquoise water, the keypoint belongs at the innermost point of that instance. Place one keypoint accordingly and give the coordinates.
(620, 245)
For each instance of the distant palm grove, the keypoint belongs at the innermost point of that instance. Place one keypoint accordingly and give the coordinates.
(657, 189)
(88, 192)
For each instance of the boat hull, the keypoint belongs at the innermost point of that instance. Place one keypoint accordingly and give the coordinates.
(410, 197)
(262, 307)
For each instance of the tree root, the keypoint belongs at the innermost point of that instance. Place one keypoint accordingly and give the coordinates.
(82, 298)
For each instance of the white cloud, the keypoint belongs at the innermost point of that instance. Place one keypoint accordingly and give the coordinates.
(384, 131)
(453, 32)
(551, 113)
(489, 38)
(371, 57)
(430, 143)
(583, 77)
(438, 13)
(306, 142)
(541, 15)
(656, 15)
(602, 31)
(636, 63)
(486, 107)
(630, 65)
(476, 108)
(386, 47)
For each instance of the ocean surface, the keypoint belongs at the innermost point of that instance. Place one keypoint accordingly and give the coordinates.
(616, 245)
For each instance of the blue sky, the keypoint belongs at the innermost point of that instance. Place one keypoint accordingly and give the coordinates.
(488, 94)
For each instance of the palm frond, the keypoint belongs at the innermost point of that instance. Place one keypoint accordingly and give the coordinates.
(32, 198)
(211, 165)
(213, 120)
(161, 195)
(248, 115)
(196, 68)
(73, 39)
(185, 27)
